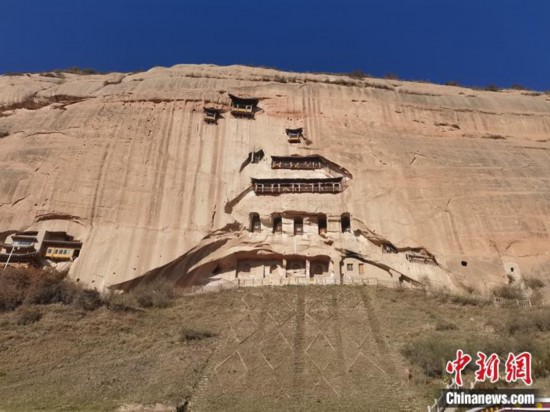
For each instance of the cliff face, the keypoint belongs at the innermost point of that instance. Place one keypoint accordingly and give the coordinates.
(126, 164)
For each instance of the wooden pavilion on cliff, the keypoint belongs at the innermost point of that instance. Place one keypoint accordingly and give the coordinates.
(21, 250)
(243, 107)
(295, 135)
(211, 115)
(60, 246)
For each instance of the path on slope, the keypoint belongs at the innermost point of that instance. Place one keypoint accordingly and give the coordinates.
(303, 348)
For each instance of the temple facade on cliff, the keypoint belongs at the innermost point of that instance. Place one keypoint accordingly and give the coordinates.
(182, 174)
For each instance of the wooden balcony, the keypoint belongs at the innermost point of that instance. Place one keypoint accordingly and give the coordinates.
(294, 135)
(296, 162)
(242, 110)
(243, 107)
(279, 186)
(211, 115)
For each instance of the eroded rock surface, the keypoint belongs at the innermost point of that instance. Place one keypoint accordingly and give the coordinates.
(126, 164)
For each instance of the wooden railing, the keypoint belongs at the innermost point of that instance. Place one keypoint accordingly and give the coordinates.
(328, 187)
(296, 164)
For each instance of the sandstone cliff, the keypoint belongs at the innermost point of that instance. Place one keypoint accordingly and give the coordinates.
(126, 164)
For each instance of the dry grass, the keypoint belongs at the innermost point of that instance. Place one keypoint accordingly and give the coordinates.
(27, 315)
(509, 292)
(152, 296)
(189, 334)
(492, 88)
(534, 283)
(30, 286)
(286, 348)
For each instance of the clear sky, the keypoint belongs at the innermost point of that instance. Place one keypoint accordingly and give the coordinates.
(474, 42)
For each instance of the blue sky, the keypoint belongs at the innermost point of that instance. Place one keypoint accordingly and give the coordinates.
(474, 42)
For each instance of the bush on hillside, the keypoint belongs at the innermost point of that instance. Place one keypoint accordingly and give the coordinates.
(524, 322)
(189, 334)
(534, 283)
(431, 352)
(452, 83)
(20, 286)
(517, 86)
(27, 315)
(492, 88)
(153, 295)
(509, 292)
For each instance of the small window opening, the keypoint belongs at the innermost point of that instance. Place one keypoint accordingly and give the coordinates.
(298, 226)
(464, 263)
(256, 156)
(255, 223)
(387, 248)
(349, 267)
(210, 115)
(345, 222)
(277, 224)
(511, 269)
(322, 224)
(317, 269)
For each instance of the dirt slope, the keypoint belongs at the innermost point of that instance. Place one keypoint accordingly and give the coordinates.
(290, 348)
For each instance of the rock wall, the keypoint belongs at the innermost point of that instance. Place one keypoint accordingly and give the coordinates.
(126, 164)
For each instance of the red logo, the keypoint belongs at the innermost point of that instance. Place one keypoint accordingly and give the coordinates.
(487, 367)
(518, 367)
(457, 366)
